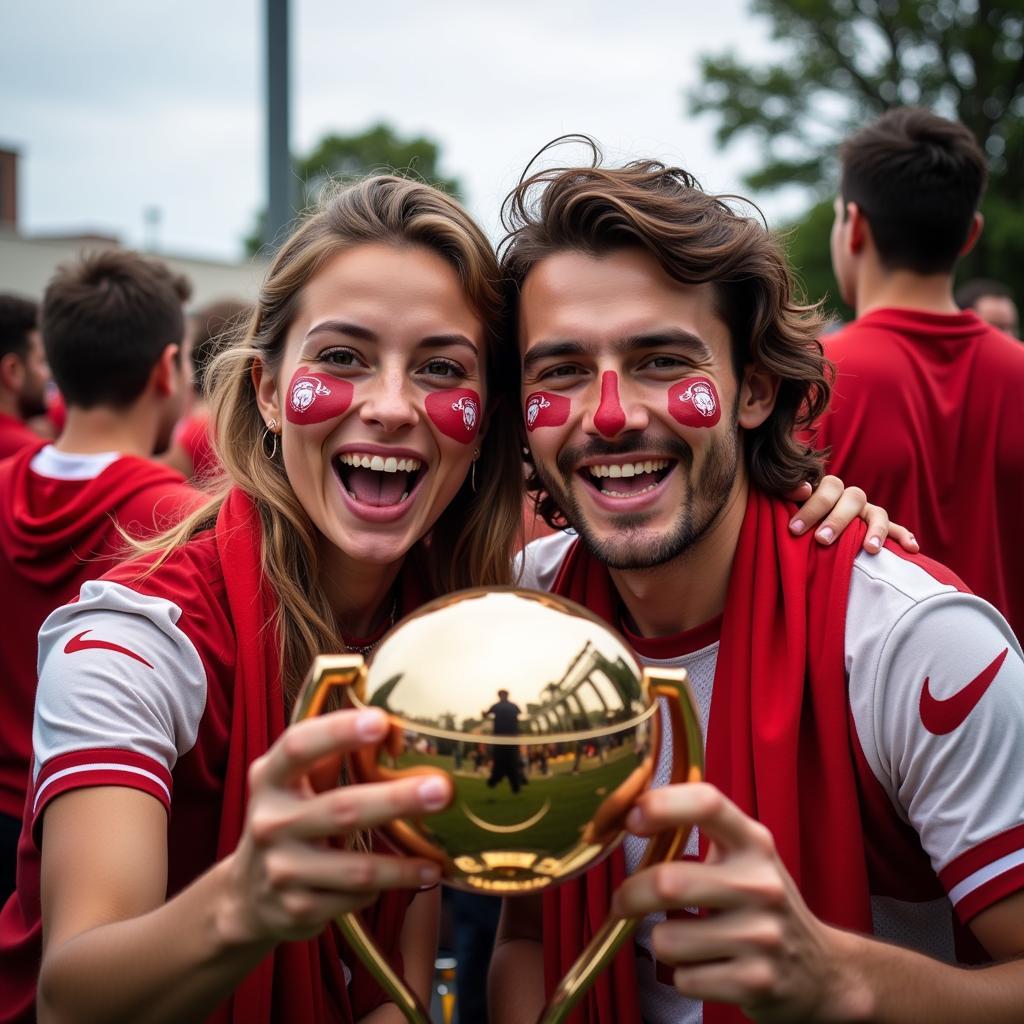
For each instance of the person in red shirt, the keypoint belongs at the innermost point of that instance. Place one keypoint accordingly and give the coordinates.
(926, 411)
(191, 451)
(860, 833)
(113, 336)
(24, 375)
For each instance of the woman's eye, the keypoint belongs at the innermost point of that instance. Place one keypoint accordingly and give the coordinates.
(339, 357)
(443, 368)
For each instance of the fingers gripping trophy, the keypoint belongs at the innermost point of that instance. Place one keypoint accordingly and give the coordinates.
(570, 730)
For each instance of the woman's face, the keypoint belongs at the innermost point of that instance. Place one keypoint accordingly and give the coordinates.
(380, 397)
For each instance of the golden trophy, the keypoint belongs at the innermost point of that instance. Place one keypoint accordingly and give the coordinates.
(548, 728)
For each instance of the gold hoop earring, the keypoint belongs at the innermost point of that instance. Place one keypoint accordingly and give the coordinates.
(272, 431)
(472, 472)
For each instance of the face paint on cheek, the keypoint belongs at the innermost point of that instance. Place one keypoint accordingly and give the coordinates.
(544, 409)
(694, 402)
(315, 397)
(610, 417)
(456, 413)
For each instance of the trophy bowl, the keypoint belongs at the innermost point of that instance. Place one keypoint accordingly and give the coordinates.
(541, 717)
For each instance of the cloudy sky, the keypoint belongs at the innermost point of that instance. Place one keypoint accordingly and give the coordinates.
(122, 105)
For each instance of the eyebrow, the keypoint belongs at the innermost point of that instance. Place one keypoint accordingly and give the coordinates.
(675, 337)
(361, 333)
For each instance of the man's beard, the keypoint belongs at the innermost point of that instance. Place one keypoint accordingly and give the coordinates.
(633, 547)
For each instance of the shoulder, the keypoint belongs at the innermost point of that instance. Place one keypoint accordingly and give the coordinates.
(537, 565)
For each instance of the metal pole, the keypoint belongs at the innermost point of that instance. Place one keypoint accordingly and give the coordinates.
(280, 187)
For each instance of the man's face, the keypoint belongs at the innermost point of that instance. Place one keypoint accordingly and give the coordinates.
(1000, 312)
(630, 401)
(32, 396)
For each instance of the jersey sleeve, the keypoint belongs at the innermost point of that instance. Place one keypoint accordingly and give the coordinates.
(536, 566)
(938, 698)
(121, 692)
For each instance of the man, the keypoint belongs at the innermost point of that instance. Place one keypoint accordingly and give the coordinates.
(112, 329)
(863, 714)
(505, 759)
(927, 414)
(24, 375)
(993, 302)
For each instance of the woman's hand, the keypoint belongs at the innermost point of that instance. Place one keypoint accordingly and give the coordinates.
(834, 507)
(285, 880)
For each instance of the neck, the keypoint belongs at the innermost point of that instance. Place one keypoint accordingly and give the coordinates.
(878, 288)
(101, 429)
(691, 589)
(9, 404)
(360, 593)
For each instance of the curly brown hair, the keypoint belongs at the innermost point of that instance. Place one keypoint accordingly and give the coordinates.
(696, 238)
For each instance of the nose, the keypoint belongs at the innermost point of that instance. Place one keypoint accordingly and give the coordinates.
(611, 418)
(388, 402)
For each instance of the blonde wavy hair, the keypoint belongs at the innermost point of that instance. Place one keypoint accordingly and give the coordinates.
(471, 544)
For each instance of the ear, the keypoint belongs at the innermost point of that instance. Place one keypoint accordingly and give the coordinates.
(758, 391)
(165, 376)
(265, 387)
(858, 231)
(977, 225)
(12, 372)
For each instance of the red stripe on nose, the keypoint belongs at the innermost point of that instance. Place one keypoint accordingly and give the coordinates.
(610, 417)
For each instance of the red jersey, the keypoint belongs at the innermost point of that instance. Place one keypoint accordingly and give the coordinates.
(15, 435)
(59, 519)
(927, 416)
(193, 434)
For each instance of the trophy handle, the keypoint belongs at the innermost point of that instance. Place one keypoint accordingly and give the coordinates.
(344, 671)
(687, 766)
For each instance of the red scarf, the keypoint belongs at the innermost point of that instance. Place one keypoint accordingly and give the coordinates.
(298, 981)
(778, 740)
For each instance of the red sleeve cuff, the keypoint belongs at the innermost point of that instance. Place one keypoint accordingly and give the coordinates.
(986, 873)
(102, 767)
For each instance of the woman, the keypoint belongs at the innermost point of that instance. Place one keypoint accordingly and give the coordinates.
(358, 417)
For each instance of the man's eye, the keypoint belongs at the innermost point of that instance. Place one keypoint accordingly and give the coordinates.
(562, 371)
(664, 362)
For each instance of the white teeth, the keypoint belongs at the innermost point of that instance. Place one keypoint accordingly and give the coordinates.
(620, 494)
(615, 470)
(378, 463)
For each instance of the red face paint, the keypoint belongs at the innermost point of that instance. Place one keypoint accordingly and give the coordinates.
(315, 397)
(610, 417)
(694, 402)
(456, 413)
(544, 409)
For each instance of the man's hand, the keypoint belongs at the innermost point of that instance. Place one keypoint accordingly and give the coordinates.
(761, 947)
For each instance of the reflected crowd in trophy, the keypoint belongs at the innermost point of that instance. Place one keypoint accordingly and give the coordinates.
(578, 628)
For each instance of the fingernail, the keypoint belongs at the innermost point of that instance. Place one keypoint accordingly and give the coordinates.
(913, 540)
(827, 534)
(430, 875)
(797, 526)
(433, 793)
(371, 725)
(635, 820)
(874, 543)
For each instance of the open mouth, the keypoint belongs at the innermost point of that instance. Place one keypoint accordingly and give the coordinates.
(629, 479)
(377, 480)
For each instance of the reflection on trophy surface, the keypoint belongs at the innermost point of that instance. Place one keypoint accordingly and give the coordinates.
(542, 718)
(545, 774)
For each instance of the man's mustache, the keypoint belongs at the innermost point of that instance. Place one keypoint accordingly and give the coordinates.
(569, 459)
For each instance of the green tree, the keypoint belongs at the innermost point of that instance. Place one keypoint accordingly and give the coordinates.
(844, 62)
(378, 150)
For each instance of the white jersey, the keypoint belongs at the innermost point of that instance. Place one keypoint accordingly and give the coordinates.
(936, 689)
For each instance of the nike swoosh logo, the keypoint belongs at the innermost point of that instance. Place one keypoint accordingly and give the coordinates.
(943, 716)
(76, 643)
